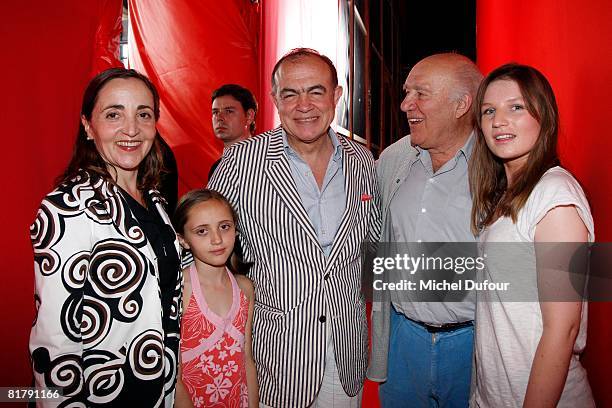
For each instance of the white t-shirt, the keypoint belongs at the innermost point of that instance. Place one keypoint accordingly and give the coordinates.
(508, 332)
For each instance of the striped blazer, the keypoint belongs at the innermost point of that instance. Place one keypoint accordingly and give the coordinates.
(300, 293)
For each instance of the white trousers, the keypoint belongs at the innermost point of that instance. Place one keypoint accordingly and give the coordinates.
(331, 394)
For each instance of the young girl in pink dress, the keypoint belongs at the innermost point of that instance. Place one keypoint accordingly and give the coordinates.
(216, 367)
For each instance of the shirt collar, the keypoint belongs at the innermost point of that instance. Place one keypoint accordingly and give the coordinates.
(337, 148)
(465, 150)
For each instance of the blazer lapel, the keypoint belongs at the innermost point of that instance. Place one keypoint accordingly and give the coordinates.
(352, 172)
(279, 176)
(398, 179)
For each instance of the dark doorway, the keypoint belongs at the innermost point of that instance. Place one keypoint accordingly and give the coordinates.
(400, 33)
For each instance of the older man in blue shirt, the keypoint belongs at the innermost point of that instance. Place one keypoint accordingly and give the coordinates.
(422, 351)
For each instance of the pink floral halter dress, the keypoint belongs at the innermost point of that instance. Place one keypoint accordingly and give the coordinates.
(212, 349)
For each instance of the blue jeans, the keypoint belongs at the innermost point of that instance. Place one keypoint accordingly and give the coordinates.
(427, 369)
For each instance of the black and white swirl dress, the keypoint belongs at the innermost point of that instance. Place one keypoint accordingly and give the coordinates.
(104, 332)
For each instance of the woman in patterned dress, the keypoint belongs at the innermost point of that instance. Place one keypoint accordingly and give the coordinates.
(217, 367)
(107, 274)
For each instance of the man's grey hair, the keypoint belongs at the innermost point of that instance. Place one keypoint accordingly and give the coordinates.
(467, 80)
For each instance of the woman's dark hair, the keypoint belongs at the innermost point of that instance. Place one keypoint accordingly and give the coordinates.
(492, 197)
(85, 156)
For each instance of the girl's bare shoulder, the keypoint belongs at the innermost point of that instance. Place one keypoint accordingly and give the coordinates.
(186, 286)
(245, 285)
(186, 276)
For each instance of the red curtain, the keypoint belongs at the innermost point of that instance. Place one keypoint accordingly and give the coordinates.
(189, 48)
(569, 42)
(49, 52)
(52, 49)
(268, 51)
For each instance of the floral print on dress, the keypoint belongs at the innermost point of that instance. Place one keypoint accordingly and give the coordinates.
(214, 373)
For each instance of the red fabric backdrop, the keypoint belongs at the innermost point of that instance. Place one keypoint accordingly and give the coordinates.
(268, 50)
(49, 51)
(569, 42)
(189, 48)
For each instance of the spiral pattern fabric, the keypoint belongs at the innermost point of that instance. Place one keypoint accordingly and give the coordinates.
(98, 332)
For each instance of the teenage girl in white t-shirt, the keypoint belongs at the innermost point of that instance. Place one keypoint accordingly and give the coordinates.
(526, 353)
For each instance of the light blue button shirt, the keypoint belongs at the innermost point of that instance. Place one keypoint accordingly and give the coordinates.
(434, 207)
(325, 206)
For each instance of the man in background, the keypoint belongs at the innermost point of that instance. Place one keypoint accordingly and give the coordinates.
(234, 109)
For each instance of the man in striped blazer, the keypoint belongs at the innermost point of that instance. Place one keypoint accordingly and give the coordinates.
(306, 199)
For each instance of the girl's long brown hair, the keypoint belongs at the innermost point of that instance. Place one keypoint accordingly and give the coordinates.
(492, 197)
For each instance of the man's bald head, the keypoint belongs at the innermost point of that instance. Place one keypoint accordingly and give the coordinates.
(459, 69)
